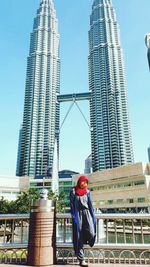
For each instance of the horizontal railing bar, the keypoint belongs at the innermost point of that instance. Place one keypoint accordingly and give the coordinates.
(110, 216)
(115, 216)
(13, 246)
(108, 246)
(113, 246)
(13, 216)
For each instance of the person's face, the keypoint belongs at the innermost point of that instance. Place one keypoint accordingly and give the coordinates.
(83, 184)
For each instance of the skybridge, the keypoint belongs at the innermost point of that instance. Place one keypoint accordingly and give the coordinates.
(74, 97)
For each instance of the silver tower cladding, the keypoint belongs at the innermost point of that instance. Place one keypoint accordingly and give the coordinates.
(41, 110)
(147, 42)
(110, 127)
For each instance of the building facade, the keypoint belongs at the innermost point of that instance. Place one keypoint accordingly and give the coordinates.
(147, 42)
(65, 182)
(148, 150)
(41, 110)
(110, 128)
(121, 189)
(88, 165)
(12, 186)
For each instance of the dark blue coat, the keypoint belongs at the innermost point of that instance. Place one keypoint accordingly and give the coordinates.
(74, 212)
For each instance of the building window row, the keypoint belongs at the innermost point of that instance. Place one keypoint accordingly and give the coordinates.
(121, 201)
(119, 185)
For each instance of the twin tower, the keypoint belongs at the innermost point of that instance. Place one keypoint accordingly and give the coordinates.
(111, 143)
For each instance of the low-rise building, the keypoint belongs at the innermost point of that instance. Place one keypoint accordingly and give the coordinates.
(65, 181)
(121, 189)
(12, 186)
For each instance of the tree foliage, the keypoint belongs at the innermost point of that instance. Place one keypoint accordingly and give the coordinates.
(23, 202)
(4, 206)
(59, 200)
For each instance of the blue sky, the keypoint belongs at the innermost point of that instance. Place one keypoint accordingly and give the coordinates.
(16, 22)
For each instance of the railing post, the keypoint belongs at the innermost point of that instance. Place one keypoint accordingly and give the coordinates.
(42, 232)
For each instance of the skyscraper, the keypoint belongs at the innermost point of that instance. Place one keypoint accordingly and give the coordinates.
(41, 110)
(110, 128)
(148, 150)
(88, 165)
(147, 41)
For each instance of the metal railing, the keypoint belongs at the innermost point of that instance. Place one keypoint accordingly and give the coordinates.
(116, 228)
(14, 228)
(122, 238)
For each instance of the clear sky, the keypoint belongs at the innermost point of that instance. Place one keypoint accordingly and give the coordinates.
(16, 23)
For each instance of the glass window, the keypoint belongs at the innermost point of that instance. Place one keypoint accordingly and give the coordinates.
(47, 183)
(102, 202)
(16, 193)
(139, 182)
(141, 199)
(119, 201)
(6, 192)
(130, 200)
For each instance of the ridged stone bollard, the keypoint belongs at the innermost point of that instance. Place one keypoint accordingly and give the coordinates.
(42, 232)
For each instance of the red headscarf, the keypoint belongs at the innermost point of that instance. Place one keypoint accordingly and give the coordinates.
(81, 191)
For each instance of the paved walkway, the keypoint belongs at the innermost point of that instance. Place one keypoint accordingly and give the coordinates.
(90, 265)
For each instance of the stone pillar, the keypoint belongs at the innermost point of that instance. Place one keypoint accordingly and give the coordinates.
(42, 232)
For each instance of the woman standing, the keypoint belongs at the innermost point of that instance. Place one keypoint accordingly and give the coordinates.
(83, 218)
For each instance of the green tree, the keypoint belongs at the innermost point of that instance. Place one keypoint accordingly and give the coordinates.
(23, 202)
(4, 206)
(59, 200)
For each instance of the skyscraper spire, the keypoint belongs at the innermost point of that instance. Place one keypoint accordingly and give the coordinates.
(111, 135)
(48, 2)
(102, 2)
(41, 111)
